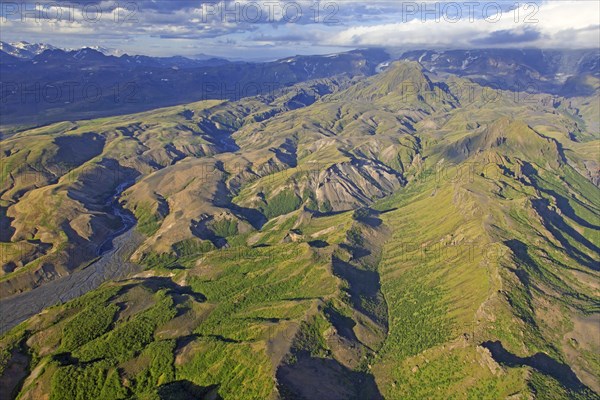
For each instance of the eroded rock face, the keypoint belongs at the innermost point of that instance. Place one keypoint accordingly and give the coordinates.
(353, 184)
(593, 172)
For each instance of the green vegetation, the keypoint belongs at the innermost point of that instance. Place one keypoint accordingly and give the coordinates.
(354, 236)
(147, 221)
(360, 213)
(325, 206)
(310, 337)
(282, 203)
(88, 325)
(130, 337)
(92, 381)
(224, 227)
(192, 248)
(547, 388)
(90, 370)
(420, 318)
(160, 369)
(162, 260)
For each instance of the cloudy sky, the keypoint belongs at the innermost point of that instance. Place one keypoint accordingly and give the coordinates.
(268, 29)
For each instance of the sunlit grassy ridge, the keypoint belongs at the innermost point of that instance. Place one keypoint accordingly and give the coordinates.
(460, 239)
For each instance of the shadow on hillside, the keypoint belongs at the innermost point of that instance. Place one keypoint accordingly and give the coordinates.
(220, 138)
(343, 325)
(540, 361)
(319, 214)
(324, 379)
(560, 229)
(254, 217)
(78, 149)
(156, 283)
(15, 371)
(371, 221)
(362, 285)
(564, 206)
(201, 231)
(186, 390)
(318, 244)
(556, 224)
(6, 230)
(356, 251)
(520, 251)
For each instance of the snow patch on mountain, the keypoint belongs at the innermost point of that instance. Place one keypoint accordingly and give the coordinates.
(25, 50)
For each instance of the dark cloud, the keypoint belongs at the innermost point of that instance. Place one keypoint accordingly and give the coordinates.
(286, 37)
(509, 37)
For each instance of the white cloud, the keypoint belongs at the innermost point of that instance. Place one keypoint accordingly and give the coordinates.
(560, 24)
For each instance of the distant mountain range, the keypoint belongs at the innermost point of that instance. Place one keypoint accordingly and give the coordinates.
(553, 71)
(127, 83)
(68, 82)
(24, 50)
(28, 51)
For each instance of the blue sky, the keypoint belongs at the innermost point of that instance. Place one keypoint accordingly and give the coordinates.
(269, 29)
